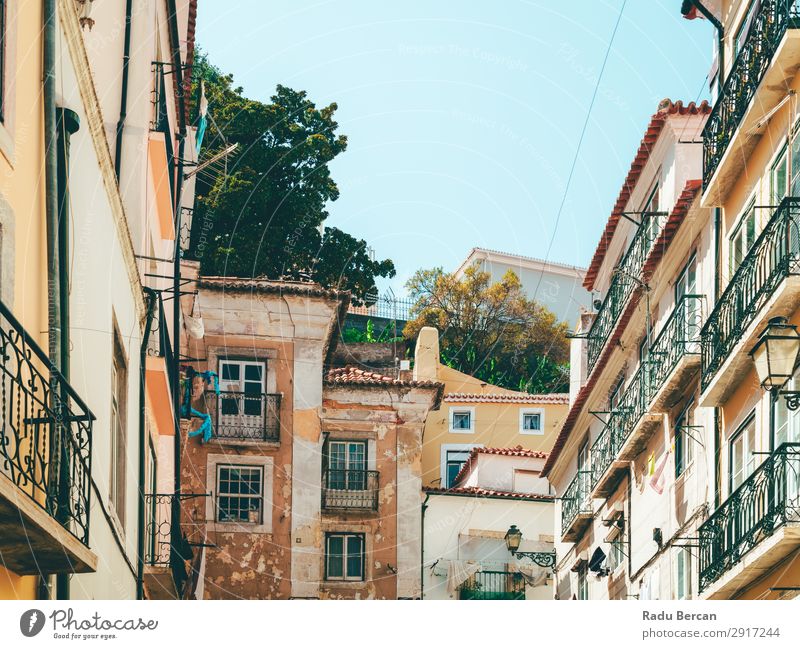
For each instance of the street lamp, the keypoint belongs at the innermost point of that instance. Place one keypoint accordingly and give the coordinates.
(514, 539)
(775, 353)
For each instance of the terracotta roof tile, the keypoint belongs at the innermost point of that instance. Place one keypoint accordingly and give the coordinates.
(488, 493)
(469, 397)
(654, 128)
(518, 451)
(240, 284)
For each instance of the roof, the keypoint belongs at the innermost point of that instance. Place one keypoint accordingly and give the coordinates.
(472, 397)
(279, 287)
(522, 260)
(480, 492)
(666, 109)
(351, 375)
(517, 451)
(660, 247)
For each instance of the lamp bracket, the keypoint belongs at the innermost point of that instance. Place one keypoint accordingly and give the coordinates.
(543, 559)
(792, 398)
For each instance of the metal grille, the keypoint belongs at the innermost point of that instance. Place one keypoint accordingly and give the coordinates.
(764, 502)
(45, 430)
(350, 489)
(575, 500)
(387, 306)
(773, 257)
(248, 416)
(493, 584)
(769, 25)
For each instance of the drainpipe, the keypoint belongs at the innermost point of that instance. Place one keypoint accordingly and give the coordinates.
(123, 101)
(720, 36)
(422, 548)
(151, 304)
(717, 427)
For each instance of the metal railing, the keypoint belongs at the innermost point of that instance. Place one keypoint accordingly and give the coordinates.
(159, 509)
(45, 430)
(387, 306)
(774, 17)
(773, 257)
(493, 584)
(159, 344)
(248, 416)
(764, 502)
(350, 489)
(679, 336)
(625, 278)
(575, 500)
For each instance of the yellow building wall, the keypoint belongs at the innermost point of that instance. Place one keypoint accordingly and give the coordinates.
(496, 424)
(22, 188)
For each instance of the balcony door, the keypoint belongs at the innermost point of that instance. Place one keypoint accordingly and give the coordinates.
(690, 319)
(242, 386)
(742, 453)
(347, 465)
(787, 430)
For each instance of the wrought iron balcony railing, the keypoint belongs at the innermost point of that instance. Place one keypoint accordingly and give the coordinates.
(159, 509)
(575, 500)
(773, 257)
(679, 336)
(625, 279)
(160, 344)
(249, 416)
(774, 17)
(493, 584)
(767, 500)
(45, 430)
(350, 489)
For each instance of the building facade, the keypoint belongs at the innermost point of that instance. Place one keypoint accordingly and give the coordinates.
(559, 287)
(91, 189)
(466, 554)
(308, 485)
(475, 414)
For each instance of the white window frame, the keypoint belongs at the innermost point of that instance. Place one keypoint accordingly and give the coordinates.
(531, 411)
(614, 562)
(736, 231)
(683, 570)
(345, 542)
(266, 463)
(459, 410)
(443, 458)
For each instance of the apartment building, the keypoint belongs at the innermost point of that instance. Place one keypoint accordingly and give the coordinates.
(475, 414)
(308, 482)
(90, 190)
(490, 535)
(631, 464)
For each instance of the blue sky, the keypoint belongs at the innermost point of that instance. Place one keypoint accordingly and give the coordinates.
(463, 117)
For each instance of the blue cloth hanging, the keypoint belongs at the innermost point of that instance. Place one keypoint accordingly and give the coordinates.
(206, 429)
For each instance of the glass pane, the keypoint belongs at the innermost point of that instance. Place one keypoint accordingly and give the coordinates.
(229, 406)
(335, 556)
(452, 471)
(253, 372)
(252, 405)
(230, 372)
(751, 229)
(357, 456)
(461, 420)
(779, 181)
(354, 556)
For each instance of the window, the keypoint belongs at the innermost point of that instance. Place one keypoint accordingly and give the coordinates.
(240, 494)
(742, 448)
(779, 178)
(453, 463)
(683, 576)
(795, 175)
(583, 584)
(787, 422)
(344, 557)
(347, 465)
(119, 454)
(583, 469)
(684, 440)
(744, 234)
(462, 420)
(744, 27)
(531, 421)
(649, 209)
(616, 554)
(244, 379)
(616, 395)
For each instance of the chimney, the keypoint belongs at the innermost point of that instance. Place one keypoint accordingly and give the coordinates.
(426, 355)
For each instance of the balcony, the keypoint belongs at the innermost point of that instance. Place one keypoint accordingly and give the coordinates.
(623, 283)
(756, 83)
(159, 366)
(493, 584)
(765, 285)
(247, 417)
(350, 490)
(45, 461)
(576, 508)
(756, 527)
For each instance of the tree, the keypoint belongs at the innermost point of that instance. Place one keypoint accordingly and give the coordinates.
(263, 216)
(491, 330)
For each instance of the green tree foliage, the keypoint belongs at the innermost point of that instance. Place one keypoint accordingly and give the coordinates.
(263, 215)
(491, 331)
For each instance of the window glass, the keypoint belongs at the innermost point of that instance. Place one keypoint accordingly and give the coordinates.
(684, 440)
(347, 464)
(531, 421)
(779, 178)
(453, 463)
(462, 420)
(344, 557)
(683, 577)
(239, 494)
(744, 27)
(743, 237)
(742, 453)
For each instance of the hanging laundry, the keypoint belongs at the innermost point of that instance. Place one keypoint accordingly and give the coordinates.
(206, 428)
(658, 479)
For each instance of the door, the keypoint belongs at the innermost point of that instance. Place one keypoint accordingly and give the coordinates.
(583, 472)
(347, 465)
(787, 430)
(689, 307)
(242, 388)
